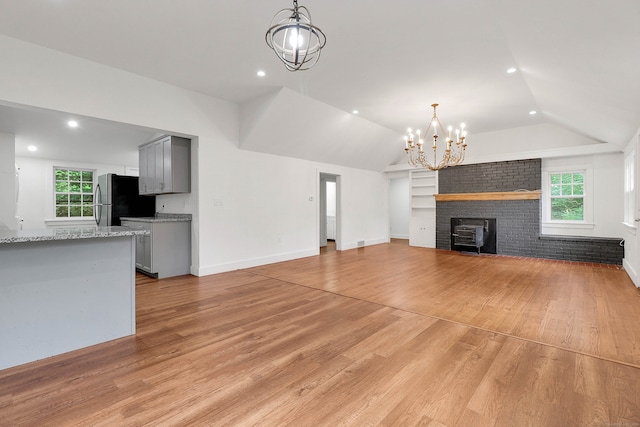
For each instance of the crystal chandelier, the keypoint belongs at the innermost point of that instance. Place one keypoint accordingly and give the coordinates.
(453, 154)
(294, 39)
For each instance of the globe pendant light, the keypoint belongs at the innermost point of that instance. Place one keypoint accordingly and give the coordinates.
(294, 39)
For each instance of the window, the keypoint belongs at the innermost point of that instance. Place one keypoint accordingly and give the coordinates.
(567, 196)
(73, 193)
(629, 189)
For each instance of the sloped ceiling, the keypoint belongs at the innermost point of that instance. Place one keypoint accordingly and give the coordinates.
(297, 126)
(580, 61)
(578, 65)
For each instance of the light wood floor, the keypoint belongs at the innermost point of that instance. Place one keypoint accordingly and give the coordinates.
(382, 335)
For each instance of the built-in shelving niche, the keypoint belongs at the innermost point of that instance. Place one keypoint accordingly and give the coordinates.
(424, 185)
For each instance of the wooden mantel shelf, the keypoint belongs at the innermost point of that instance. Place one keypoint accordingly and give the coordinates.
(501, 195)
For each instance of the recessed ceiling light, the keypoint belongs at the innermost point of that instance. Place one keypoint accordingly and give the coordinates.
(356, 112)
(72, 124)
(261, 73)
(512, 70)
(32, 148)
(532, 112)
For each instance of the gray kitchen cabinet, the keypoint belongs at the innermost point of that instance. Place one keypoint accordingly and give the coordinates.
(143, 252)
(151, 168)
(166, 251)
(165, 166)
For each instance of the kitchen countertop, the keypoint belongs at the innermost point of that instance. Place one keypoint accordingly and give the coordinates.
(160, 217)
(23, 236)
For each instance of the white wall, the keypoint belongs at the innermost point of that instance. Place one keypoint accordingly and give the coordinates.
(607, 195)
(248, 208)
(261, 206)
(332, 205)
(7, 181)
(36, 205)
(399, 202)
(331, 198)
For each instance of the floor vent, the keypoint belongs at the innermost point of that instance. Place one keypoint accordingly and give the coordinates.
(360, 243)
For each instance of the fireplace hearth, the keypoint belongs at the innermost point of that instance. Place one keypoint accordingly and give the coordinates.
(473, 234)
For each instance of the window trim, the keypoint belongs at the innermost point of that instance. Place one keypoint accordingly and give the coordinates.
(587, 221)
(69, 219)
(630, 193)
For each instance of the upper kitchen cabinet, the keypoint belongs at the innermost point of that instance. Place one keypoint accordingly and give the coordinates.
(165, 166)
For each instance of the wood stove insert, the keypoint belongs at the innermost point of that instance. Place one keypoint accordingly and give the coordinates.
(473, 234)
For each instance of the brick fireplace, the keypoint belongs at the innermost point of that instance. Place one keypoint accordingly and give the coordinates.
(509, 192)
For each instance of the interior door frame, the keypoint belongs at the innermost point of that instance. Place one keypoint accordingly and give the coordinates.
(323, 178)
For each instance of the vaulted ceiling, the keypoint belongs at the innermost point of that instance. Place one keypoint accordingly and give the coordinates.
(578, 61)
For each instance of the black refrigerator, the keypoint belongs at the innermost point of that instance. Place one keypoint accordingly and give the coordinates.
(117, 196)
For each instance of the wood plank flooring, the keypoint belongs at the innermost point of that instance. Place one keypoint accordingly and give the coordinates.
(591, 310)
(385, 335)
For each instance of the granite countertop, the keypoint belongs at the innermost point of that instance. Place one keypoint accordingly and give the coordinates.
(160, 217)
(23, 236)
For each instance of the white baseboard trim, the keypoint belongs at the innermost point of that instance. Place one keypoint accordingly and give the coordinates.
(354, 245)
(254, 262)
(631, 272)
(400, 236)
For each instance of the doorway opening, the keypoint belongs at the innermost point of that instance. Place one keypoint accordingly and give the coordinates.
(329, 214)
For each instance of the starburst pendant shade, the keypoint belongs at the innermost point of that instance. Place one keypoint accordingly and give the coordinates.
(294, 39)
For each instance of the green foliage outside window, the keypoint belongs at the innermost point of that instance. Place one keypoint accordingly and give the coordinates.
(73, 193)
(567, 196)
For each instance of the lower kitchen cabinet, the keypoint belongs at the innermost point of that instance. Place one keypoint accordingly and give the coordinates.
(166, 251)
(143, 253)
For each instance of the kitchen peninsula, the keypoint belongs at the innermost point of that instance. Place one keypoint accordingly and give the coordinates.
(64, 289)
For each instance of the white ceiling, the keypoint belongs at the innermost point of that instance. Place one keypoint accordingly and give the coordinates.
(578, 60)
(95, 140)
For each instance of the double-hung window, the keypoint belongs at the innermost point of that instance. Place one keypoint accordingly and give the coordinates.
(566, 191)
(73, 192)
(567, 198)
(629, 190)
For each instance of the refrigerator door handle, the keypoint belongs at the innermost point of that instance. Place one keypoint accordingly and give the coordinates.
(97, 211)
